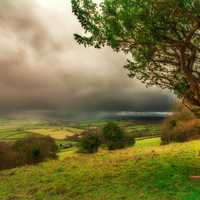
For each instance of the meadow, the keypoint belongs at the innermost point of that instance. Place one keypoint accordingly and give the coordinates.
(146, 171)
(11, 130)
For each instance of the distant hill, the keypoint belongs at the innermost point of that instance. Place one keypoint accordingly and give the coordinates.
(142, 117)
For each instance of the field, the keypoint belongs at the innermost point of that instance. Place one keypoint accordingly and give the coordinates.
(146, 171)
(11, 130)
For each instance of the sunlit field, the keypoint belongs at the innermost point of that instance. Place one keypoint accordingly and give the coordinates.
(57, 133)
(147, 170)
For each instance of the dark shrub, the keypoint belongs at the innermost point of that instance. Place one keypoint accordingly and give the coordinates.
(90, 142)
(181, 126)
(35, 148)
(129, 140)
(8, 157)
(176, 135)
(113, 136)
(181, 136)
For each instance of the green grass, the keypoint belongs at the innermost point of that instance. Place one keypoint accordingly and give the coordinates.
(141, 130)
(144, 172)
(17, 131)
(12, 134)
(148, 142)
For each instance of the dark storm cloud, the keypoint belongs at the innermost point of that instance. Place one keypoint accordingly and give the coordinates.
(44, 70)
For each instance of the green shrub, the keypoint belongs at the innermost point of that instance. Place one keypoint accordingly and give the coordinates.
(35, 148)
(90, 142)
(113, 136)
(129, 140)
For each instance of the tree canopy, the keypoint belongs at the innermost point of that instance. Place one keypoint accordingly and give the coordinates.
(162, 37)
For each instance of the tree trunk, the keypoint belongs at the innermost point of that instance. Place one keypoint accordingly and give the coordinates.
(192, 96)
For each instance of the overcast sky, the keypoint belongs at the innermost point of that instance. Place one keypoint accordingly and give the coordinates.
(44, 70)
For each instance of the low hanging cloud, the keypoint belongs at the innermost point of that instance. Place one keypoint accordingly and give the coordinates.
(44, 70)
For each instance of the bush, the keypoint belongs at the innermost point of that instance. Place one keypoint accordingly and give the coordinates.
(181, 136)
(8, 157)
(90, 142)
(179, 127)
(29, 150)
(129, 140)
(35, 148)
(113, 136)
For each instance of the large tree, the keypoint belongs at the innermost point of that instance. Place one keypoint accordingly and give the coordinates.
(162, 38)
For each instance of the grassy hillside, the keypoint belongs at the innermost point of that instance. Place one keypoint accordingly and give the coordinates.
(144, 172)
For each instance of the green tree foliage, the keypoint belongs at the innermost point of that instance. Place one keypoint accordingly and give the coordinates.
(162, 37)
(113, 136)
(90, 142)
